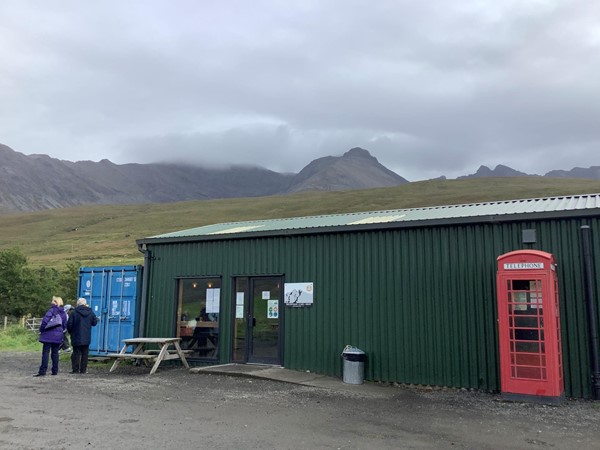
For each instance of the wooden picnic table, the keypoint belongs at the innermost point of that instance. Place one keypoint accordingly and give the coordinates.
(140, 353)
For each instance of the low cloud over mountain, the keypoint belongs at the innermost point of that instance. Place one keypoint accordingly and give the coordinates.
(37, 182)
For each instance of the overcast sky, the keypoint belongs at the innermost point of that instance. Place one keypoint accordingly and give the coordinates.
(430, 88)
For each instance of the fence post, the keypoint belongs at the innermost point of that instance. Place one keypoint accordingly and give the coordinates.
(5, 322)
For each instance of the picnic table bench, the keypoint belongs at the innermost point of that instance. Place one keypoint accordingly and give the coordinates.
(139, 353)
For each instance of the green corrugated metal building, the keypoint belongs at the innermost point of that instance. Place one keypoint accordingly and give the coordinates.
(414, 289)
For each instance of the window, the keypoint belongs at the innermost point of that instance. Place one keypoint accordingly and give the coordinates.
(198, 311)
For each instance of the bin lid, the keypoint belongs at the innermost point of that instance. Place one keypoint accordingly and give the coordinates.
(349, 350)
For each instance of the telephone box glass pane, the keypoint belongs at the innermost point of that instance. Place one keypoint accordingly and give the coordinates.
(529, 347)
(526, 329)
(526, 322)
(532, 373)
(519, 301)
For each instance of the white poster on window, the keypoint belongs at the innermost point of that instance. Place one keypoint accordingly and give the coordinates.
(239, 311)
(298, 294)
(273, 309)
(213, 297)
(239, 298)
(239, 305)
(266, 295)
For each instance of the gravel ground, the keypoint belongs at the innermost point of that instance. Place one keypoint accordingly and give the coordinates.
(176, 409)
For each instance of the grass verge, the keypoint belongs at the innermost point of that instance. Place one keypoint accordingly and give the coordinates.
(15, 338)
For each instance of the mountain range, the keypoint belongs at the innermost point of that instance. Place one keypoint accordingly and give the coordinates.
(38, 182)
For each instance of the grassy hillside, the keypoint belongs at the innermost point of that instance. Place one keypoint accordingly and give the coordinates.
(105, 235)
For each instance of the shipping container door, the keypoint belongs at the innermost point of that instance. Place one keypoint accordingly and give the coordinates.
(121, 299)
(111, 292)
(93, 287)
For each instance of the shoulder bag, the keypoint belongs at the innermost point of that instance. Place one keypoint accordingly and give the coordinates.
(55, 321)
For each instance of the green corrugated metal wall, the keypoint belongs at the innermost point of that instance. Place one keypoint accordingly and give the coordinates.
(420, 302)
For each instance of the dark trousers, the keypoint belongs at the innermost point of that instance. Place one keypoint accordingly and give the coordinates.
(79, 358)
(46, 351)
(65, 343)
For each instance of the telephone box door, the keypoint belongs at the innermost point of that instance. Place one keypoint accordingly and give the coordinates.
(529, 325)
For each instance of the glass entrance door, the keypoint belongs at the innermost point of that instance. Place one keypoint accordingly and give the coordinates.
(257, 330)
(265, 307)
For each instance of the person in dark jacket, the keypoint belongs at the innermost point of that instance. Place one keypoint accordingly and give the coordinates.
(65, 346)
(52, 336)
(80, 326)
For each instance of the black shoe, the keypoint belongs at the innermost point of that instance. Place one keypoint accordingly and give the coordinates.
(74, 371)
(55, 374)
(40, 375)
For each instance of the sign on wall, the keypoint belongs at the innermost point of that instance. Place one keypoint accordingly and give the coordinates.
(298, 294)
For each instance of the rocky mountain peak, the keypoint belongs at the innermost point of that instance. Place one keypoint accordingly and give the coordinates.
(355, 169)
(499, 171)
(358, 152)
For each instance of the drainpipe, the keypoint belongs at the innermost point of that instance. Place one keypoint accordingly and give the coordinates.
(592, 314)
(145, 276)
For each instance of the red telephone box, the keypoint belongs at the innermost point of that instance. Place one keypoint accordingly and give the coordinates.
(529, 326)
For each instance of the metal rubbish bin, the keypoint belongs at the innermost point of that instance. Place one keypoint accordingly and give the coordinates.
(354, 365)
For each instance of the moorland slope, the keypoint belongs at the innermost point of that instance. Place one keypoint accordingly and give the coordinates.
(106, 234)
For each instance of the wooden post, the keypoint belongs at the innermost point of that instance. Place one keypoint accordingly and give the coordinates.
(5, 322)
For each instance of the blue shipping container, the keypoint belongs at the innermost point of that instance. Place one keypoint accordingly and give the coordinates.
(114, 294)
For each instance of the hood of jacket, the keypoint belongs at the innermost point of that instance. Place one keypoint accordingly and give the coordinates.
(83, 310)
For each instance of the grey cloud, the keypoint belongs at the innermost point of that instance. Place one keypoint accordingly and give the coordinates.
(429, 88)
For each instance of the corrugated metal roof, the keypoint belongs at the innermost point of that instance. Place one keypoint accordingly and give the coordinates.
(360, 219)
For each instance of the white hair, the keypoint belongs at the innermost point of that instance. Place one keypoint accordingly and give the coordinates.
(81, 301)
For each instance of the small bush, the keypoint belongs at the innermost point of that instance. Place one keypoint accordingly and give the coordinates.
(18, 339)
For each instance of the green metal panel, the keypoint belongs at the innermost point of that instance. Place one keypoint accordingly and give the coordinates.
(421, 302)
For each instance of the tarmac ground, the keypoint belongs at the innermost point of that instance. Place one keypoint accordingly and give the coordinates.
(263, 407)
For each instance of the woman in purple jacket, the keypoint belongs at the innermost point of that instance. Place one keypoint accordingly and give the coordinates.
(52, 336)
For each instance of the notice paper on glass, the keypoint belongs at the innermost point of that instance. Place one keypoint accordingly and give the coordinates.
(239, 298)
(266, 295)
(273, 309)
(239, 305)
(239, 311)
(213, 297)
